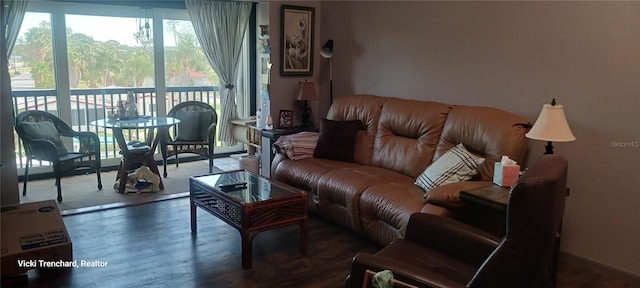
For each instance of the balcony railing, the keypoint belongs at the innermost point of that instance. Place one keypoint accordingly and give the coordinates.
(92, 104)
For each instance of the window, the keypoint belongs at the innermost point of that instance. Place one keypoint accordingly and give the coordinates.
(76, 60)
(114, 57)
(184, 60)
(31, 61)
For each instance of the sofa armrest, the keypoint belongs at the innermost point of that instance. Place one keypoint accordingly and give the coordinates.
(277, 158)
(451, 237)
(448, 196)
(402, 271)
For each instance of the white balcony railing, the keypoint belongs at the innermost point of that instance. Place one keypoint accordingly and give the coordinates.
(91, 104)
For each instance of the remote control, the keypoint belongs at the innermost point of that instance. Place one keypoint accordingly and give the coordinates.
(233, 186)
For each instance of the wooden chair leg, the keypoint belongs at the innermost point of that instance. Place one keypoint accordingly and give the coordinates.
(151, 163)
(122, 175)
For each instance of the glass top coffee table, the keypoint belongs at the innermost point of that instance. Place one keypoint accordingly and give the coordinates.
(249, 203)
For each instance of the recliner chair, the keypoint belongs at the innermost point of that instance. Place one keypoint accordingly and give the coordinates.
(441, 252)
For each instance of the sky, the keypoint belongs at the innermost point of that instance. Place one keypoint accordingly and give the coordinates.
(100, 28)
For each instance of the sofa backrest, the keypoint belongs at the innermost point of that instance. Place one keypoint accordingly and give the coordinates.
(366, 108)
(485, 131)
(408, 134)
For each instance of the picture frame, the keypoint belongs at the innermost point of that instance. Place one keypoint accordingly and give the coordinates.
(297, 33)
(285, 119)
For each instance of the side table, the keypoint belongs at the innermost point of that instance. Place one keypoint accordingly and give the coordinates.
(491, 196)
(487, 208)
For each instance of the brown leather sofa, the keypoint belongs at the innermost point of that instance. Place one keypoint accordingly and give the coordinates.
(463, 256)
(375, 194)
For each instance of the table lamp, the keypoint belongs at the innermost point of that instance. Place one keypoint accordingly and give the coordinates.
(306, 93)
(551, 126)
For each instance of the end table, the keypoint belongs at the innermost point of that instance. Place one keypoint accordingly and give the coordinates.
(491, 196)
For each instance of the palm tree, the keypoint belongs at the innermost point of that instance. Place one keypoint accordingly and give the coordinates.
(79, 48)
(37, 52)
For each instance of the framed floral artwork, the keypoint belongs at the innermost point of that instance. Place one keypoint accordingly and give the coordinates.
(297, 40)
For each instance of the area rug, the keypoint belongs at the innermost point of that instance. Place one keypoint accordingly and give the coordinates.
(80, 193)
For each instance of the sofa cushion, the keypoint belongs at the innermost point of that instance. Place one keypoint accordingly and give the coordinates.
(456, 165)
(337, 139)
(339, 191)
(408, 134)
(45, 130)
(305, 173)
(385, 209)
(194, 125)
(485, 131)
(366, 108)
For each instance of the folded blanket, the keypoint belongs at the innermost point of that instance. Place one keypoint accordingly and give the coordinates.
(297, 146)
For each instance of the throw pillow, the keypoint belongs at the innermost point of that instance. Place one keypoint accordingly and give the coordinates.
(455, 165)
(45, 130)
(194, 125)
(336, 140)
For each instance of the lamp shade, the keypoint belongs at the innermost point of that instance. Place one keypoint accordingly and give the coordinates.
(307, 91)
(551, 125)
(327, 49)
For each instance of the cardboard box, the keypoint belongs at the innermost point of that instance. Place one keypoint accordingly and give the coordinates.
(33, 236)
(505, 175)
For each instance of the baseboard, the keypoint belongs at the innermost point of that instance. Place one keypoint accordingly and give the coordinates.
(121, 204)
(631, 279)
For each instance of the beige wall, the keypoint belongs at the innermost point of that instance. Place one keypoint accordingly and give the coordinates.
(284, 89)
(518, 56)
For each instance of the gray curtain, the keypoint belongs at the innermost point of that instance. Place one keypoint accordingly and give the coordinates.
(11, 15)
(14, 13)
(220, 28)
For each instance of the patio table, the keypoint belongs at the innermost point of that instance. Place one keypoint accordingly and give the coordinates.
(142, 153)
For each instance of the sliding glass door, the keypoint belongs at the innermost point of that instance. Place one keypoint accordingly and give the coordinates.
(77, 60)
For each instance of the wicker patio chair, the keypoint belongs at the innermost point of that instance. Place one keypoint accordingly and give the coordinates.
(42, 136)
(196, 133)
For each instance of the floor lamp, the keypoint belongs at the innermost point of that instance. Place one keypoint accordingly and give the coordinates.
(327, 53)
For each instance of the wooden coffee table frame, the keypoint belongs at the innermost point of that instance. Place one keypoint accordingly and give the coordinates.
(250, 218)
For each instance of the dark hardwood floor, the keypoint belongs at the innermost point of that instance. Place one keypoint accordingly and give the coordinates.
(151, 245)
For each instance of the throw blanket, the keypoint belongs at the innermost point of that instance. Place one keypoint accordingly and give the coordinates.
(297, 146)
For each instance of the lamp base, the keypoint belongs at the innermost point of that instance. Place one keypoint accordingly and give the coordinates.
(305, 113)
(548, 148)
